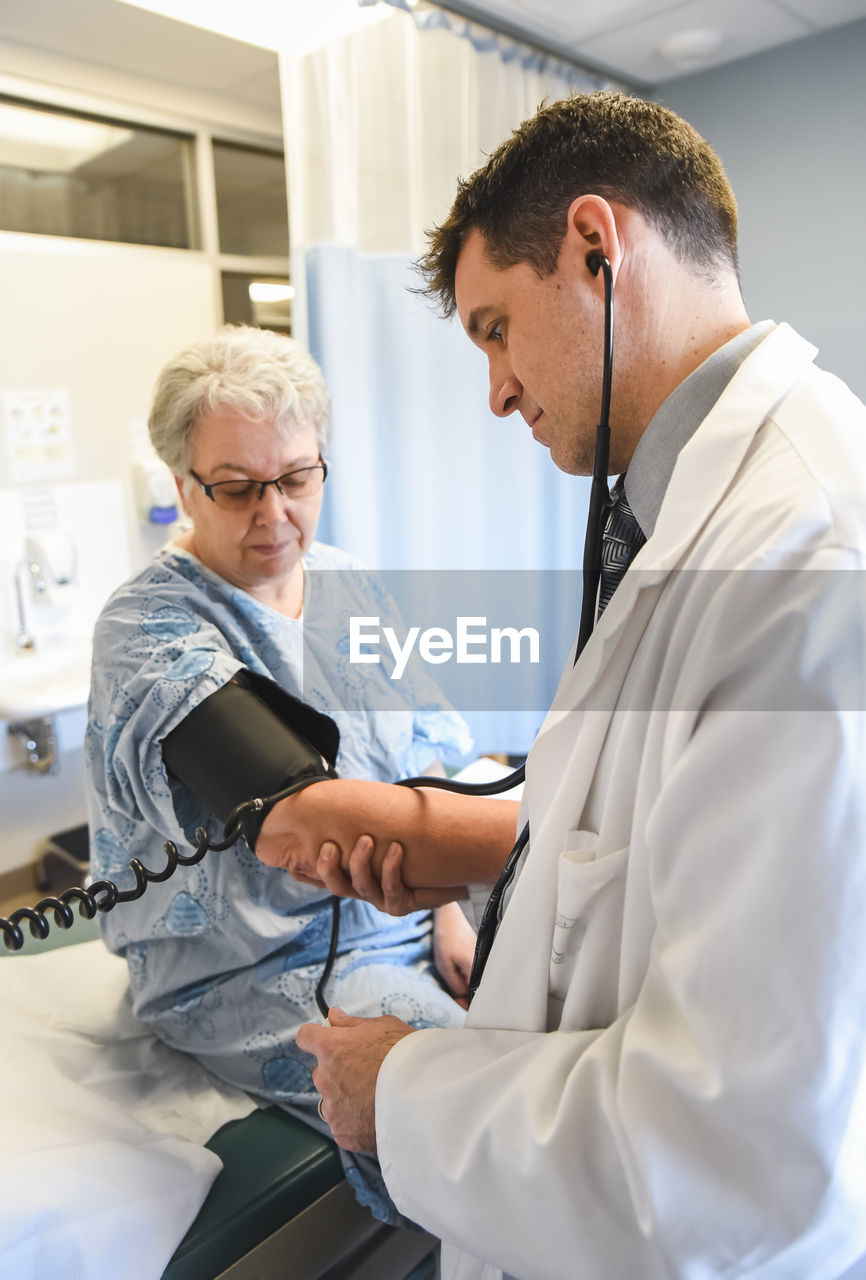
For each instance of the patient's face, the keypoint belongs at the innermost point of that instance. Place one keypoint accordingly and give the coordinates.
(258, 549)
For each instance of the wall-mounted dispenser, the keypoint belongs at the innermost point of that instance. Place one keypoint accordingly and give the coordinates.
(155, 491)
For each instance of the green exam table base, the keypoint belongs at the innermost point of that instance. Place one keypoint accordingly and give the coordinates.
(280, 1209)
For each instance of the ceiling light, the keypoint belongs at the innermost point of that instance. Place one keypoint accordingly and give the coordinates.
(266, 291)
(691, 47)
(289, 26)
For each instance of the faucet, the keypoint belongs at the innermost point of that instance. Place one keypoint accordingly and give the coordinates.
(24, 638)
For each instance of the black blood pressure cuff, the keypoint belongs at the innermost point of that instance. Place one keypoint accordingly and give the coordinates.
(249, 740)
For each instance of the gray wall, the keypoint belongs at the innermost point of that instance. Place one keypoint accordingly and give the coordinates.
(790, 127)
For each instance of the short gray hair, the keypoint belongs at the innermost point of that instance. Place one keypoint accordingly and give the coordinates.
(255, 371)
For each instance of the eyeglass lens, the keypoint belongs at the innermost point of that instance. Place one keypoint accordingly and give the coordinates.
(236, 494)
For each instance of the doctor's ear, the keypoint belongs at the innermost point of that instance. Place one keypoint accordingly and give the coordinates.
(593, 232)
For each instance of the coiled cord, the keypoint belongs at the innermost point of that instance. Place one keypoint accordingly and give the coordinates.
(103, 895)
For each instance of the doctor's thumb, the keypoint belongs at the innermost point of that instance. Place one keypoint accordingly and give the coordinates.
(337, 1018)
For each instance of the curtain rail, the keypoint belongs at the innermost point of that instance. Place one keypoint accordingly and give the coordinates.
(522, 35)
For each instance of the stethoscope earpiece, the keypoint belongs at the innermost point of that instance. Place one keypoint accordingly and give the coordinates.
(599, 494)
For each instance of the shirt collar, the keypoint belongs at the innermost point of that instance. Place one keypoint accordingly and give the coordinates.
(677, 419)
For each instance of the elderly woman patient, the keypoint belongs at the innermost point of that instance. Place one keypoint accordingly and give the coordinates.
(225, 956)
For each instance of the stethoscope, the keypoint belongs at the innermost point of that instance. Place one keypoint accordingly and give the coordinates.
(599, 494)
(599, 508)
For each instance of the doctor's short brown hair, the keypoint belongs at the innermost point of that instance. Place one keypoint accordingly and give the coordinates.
(638, 153)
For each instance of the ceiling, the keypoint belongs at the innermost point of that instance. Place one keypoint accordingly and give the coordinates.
(622, 38)
(637, 40)
(137, 43)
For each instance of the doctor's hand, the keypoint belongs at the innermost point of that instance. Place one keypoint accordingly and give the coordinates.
(350, 1052)
(354, 877)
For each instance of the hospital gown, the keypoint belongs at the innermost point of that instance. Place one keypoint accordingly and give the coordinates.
(225, 956)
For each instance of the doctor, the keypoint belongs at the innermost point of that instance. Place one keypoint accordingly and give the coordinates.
(662, 1072)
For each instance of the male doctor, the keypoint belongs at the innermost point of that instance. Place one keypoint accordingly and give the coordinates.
(662, 1071)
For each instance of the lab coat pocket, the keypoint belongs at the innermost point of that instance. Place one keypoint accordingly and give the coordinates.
(584, 959)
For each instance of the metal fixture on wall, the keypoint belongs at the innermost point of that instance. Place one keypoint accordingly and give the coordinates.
(38, 739)
(24, 638)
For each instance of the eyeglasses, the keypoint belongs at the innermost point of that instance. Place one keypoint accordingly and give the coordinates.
(239, 495)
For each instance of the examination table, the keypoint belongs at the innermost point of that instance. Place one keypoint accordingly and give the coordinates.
(124, 1157)
(281, 1208)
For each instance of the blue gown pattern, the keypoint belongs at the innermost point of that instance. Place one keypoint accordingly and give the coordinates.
(224, 957)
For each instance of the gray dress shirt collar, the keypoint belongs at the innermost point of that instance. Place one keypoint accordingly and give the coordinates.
(677, 419)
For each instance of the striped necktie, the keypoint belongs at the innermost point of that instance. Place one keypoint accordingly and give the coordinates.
(622, 540)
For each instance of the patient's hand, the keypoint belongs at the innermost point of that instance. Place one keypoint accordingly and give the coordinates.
(355, 877)
(453, 950)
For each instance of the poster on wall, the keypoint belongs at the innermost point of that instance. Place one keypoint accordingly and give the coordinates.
(37, 428)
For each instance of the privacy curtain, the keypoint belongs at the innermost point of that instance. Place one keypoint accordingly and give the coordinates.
(379, 127)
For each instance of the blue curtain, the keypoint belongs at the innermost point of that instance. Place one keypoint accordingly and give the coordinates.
(425, 478)
(467, 510)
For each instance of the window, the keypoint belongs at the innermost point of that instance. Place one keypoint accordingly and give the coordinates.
(251, 199)
(265, 301)
(64, 174)
(92, 177)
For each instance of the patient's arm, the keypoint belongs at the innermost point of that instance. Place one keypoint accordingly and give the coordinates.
(449, 840)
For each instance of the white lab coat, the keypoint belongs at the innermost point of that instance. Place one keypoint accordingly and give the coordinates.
(662, 1072)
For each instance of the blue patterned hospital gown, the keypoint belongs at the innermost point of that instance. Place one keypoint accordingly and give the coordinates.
(224, 957)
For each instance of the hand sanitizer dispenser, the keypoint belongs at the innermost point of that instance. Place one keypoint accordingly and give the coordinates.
(155, 491)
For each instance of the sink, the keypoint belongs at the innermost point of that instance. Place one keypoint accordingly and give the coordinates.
(53, 677)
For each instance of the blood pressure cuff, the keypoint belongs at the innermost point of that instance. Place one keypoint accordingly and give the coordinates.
(250, 739)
